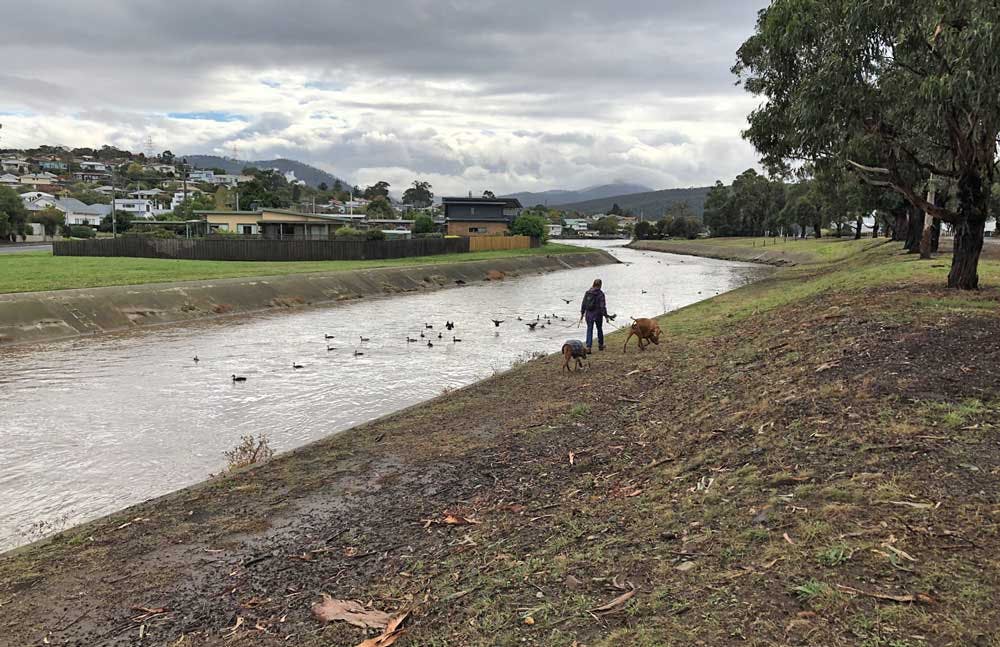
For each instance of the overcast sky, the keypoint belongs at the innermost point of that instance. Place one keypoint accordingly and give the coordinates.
(469, 94)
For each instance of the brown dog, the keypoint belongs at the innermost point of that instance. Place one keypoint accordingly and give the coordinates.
(646, 330)
(573, 350)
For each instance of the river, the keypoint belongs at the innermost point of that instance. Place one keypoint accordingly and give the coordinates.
(92, 425)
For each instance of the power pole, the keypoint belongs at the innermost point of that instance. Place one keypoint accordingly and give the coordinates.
(114, 215)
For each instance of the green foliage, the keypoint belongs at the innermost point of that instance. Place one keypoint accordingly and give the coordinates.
(82, 231)
(531, 225)
(195, 202)
(748, 208)
(380, 209)
(50, 219)
(644, 230)
(380, 188)
(267, 190)
(423, 224)
(348, 232)
(13, 215)
(374, 234)
(123, 222)
(419, 195)
(607, 226)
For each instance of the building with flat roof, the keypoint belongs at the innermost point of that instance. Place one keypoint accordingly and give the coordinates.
(480, 216)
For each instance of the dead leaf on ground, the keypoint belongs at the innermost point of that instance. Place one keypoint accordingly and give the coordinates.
(391, 633)
(615, 605)
(351, 612)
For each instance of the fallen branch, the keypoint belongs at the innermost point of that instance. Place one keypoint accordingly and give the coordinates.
(919, 598)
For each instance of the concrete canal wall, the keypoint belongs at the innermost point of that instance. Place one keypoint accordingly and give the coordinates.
(36, 317)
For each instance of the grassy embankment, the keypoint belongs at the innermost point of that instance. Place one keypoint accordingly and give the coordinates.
(809, 460)
(38, 272)
(774, 251)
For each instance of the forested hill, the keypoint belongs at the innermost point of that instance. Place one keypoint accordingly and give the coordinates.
(557, 197)
(308, 174)
(652, 204)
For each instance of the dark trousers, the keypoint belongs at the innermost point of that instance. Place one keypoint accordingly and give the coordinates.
(600, 333)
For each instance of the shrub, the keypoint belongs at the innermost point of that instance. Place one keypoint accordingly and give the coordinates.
(375, 234)
(531, 225)
(249, 452)
(423, 224)
(349, 232)
(82, 231)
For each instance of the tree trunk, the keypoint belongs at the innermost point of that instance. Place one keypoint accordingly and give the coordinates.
(914, 228)
(899, 228)
(817, 230)
(936, 236)
(973, 204)
(875, 228)
(859, 225)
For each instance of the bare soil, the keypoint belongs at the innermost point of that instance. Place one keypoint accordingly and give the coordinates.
(822, 472)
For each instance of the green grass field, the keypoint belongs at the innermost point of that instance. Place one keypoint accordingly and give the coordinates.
(39, 272)
(798, 251)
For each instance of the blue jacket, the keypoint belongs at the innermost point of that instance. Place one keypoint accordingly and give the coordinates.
(599, 307)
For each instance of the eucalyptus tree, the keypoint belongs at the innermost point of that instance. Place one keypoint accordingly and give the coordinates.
(913, 81)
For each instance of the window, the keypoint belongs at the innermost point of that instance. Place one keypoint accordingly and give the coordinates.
(478, 230)
(472, 211)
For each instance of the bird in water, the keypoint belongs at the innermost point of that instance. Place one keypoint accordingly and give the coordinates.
(330, 348)
(455, 339)
(531, 325)
(644, 292)
(328, 336)
(428, 326)
(450, 325)
(430, 344)
(519, 319)
(358, 353)
(410, 340)
(239, 379)
(422, 335)
(297, 366)
(364, 339)
(196, 360)
(497, 322)
(567, 301)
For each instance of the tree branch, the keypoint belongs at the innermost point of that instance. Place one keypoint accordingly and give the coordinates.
(893, 182)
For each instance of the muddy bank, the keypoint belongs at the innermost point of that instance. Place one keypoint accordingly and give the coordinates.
(42, 316)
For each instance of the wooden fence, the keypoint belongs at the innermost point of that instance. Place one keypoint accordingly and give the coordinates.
(242, 249)
(497, 243)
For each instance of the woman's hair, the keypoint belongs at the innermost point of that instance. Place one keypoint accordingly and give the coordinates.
(597, 283)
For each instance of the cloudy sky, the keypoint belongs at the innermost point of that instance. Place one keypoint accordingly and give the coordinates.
(506, 95)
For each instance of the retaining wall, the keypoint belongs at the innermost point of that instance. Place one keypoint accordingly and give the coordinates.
(36, 317)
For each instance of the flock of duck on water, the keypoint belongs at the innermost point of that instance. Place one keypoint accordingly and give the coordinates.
(540, 322)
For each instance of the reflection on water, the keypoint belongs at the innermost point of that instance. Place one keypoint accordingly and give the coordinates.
(89, 426)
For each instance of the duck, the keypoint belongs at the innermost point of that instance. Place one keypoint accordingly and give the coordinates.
(422, 336)
(450, 325)
(455, 339)
(196, 360)
(497, 322)
(330, 348)
(410, 340)
(358, 353)
(531, 325)
(428, 326)
(644, 292)
(440, 335)
(430, 344)
(364, 339)
(237, 378)
(297, 366)
(328, 336)
(519, 319)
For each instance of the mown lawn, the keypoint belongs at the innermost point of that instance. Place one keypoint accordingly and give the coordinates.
(39, 272)
(790, 250)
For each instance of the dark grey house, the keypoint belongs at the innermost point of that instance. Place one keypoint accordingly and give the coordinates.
(479, 216)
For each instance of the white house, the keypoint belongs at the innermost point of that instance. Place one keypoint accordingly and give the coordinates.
(162, 169)
(80, 213)
(9, 180)
(555, 231)
(34, 196)
(15, 165)
(200, 175)
(136, 207)
(93, 167)
(577, 224)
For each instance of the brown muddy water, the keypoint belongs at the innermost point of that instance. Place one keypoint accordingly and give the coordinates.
(92, 425)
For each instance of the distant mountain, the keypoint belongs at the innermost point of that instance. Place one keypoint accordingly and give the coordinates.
(308, 174)
(559, 197)
(651, 204)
